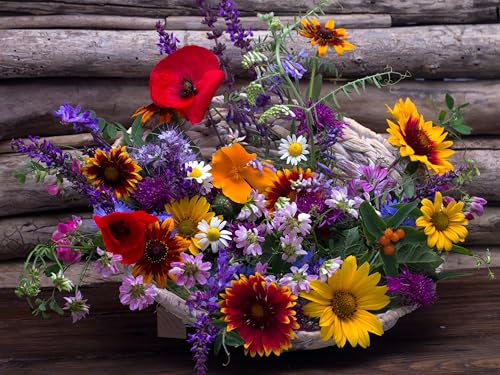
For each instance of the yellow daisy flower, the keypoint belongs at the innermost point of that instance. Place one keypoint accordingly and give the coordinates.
(325, 36)
(418, 139)
(187, 214)
(343, 303)
(443, 226)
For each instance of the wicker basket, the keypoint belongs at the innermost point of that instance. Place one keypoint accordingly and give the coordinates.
(358, 146)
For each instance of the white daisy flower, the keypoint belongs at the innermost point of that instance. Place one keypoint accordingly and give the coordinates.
(212, 234)
(198, 171)
(294, 149)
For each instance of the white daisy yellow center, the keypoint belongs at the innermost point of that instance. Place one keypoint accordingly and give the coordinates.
(295, 149)
(213, 234)
(195, 172)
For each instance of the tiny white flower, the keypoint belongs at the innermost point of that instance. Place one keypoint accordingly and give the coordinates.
(294, 149)
(212, 234)
(61, 283)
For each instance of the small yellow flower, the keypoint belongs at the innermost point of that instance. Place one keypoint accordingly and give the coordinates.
(443, 226)
(325, 36)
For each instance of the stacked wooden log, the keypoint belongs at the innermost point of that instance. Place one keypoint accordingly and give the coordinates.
(99, 53)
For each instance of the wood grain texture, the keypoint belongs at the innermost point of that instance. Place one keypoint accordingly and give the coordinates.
(402, 12)
(463, 51)
(460, 334)
(102, 22)
(116, 99)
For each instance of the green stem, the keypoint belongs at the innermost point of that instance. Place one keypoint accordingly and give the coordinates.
(311, 82)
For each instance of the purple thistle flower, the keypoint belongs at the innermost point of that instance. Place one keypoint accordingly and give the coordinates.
(135, 294)
(192, 270)
(107, 264)
(240, 37)
(167, 42)
(414, 288)
(152, 193)
(77, 306)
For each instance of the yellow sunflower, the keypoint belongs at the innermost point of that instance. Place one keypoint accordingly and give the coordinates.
(325, 36)
(418, 139)
(187, 213)
(443, 226)
(343, 303)
(113, 170)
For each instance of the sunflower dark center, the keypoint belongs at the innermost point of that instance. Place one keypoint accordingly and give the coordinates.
(418, 139)
(120, 229)
(324, 33)
(111, 173)
(156, 251)
(188, 88)
(344, 304)
(440, 221)
(186, 228)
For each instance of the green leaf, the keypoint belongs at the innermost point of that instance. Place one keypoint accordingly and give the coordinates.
(20, 176)
(450, 102)
(101, 124)
(137, 131)
(408, 185)
(401, 215)
(232, 338)
(124, 134)
(317, 84)
(461, 127)
(218, 344)
(390, 264)
(413, 236)
(54, 268)
(461, 250)
(442, 116)
(372, 222)
(419, 256)
(111, 131)
(54, 306)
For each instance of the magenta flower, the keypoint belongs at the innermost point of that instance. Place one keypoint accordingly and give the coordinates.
(135, 294)
(62, 236)
(474, 207)
(67, 254)
(414, 288)
(77, 306)
(53, 189)
(107, 264)
(192, 270)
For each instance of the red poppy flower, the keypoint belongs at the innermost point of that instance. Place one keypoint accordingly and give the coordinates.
(123, 233)
(186, 80)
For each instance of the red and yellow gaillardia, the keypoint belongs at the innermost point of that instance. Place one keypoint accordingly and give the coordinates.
(162, 247)
(444, 226)
(262, 313)
(418, 139)
(342, 304)
(324, 36)
(282, 185)
(113, 170)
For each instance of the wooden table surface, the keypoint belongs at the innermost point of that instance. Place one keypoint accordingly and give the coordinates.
(460, 334)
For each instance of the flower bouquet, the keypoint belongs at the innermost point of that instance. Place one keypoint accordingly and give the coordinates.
(262, 218)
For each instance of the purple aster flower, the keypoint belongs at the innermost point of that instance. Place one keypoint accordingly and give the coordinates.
(107, 264)
(414, 288)
(291, 246)
(191, 270)
(287, 221)
(135, 294)
(167, 42)
(372, 179)
(240, 37)
(474, 207)
(77, 306)
(298, 280)
(249, 240)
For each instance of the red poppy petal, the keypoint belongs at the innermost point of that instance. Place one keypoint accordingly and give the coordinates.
(164, 88)
(206, 88)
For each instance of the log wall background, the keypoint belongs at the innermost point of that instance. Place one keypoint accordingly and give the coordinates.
(99, 53)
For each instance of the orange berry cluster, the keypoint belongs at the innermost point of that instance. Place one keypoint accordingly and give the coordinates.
(389, 238)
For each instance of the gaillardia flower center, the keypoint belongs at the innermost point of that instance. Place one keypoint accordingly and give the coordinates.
(156, 251)
(111, 173)
(257, 313)
(295, 149)
(213, 234)
(418, 139)
(324, 33)
(344, 304)
(440, 221)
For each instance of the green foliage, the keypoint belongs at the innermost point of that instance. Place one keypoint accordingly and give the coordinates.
(137, 131)
(452, 118)
(373, 224)
(419, 257)
(402, 213)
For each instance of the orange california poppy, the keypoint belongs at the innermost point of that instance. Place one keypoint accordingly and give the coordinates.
(233, 174)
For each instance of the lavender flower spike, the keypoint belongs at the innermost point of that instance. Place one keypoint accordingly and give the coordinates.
(239, 36)
(167, 42)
